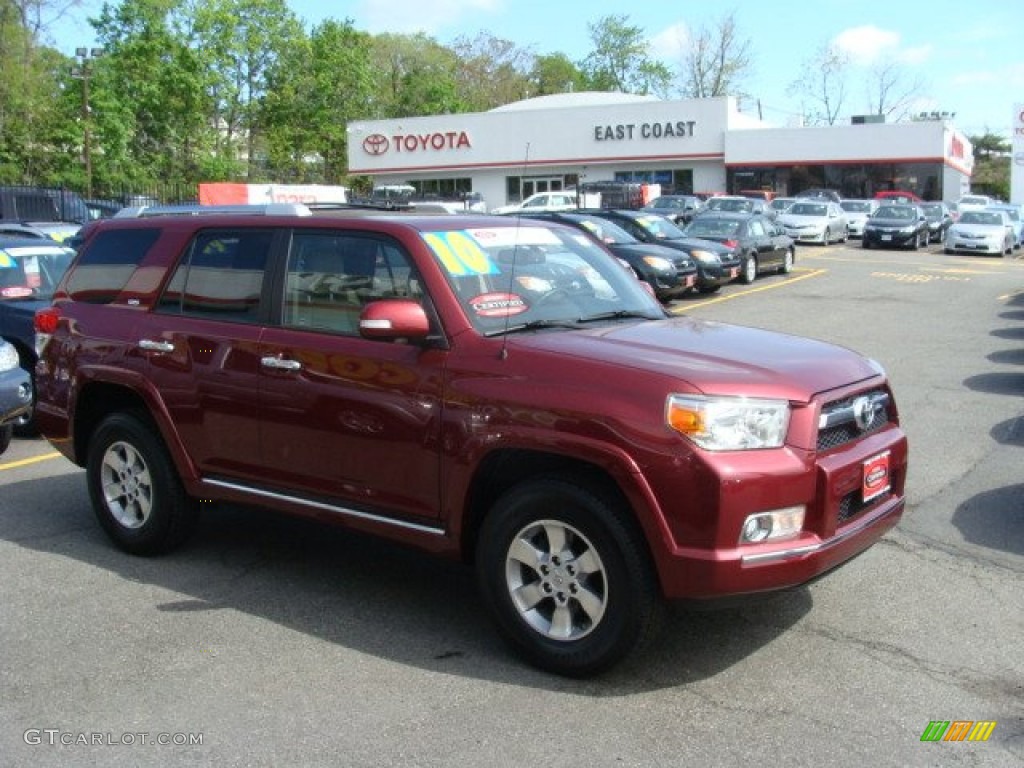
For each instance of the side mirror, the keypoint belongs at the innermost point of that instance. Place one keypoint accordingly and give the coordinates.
(394, 320)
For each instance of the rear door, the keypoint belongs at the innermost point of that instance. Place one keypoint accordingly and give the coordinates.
(202, 345)
(351, 421)
(767, 253)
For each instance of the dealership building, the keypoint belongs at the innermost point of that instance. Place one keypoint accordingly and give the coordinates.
(690, 146)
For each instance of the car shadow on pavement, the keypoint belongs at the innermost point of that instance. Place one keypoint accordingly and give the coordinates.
(994, 519)
(369, 595)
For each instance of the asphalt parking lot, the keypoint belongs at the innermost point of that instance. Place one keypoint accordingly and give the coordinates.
(270, 641)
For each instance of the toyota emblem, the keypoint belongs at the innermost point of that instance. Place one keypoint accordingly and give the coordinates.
(376, 144)
(863, 413)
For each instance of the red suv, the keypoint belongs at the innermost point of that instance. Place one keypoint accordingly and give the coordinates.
(491, 389)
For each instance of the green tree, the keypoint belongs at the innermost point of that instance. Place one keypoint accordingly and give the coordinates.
(620, 60)
(992, 156)
(555, 73)
(315, 89)
(414, 75)
(490, 71)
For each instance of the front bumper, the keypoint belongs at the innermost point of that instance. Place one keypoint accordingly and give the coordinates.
(885, 238)
(987, 245)
(15, 394)
(806, 235)
(838, 524)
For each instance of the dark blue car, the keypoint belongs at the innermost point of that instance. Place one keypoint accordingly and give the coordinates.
(29, 272)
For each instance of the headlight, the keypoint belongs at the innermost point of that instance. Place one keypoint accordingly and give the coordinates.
(729, 423)
(8, 357)
(907, 231)
(658, 263)
(706, 257)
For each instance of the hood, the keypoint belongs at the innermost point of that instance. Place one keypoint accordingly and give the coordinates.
(986, 230)
(796, 220)
(714, 358)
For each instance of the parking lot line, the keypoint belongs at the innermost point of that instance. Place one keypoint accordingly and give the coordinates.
(30, 460)
(790, 279)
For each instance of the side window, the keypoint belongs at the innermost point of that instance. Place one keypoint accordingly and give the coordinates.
(105, 267)
(221, 276)
(756, 228)
(330, 278)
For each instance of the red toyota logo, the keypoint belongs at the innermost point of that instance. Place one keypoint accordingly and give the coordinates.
(376, 144)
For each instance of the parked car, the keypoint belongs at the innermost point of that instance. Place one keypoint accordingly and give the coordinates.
(30, 270)
(670, 273)
(974, 203)
(897, 196)
(1016, 222)
(676, 208)
(433, 381)
(819, 193)
(981, 231)
(815, 221)
(756, 241)
(738, 204)
(896, 225)
(15, 392)
(857, 212)
(716, 264)
(940, 219)
(562, 200)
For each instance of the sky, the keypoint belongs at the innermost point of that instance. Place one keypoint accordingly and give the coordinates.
(969, 56)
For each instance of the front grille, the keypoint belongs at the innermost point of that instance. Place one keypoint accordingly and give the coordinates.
(838, 424)
(852, 505)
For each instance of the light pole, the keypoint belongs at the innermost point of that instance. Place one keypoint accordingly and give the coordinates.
(83, 71)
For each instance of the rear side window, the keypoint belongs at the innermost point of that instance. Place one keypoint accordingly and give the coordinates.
(221, 276)
(104, 268)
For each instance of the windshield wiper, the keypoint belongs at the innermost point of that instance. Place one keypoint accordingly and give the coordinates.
(534, 325)
(618, 314)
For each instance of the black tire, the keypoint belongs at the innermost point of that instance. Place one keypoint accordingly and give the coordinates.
(135, 490)
(6, 433)
(788, 261)
(566, 577)
(865, 244)
(749, 271)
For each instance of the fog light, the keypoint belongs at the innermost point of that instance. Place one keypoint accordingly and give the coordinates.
(769, 526)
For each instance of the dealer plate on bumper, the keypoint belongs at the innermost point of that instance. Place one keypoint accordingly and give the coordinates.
(875, 479)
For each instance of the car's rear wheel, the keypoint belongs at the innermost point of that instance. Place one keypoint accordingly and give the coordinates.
(566, 576)
(749, 269)
(134, 487)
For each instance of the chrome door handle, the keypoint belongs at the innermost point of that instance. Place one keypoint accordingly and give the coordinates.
(156, 346)
(280, 364)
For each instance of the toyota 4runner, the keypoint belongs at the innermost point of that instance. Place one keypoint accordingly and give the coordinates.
(486, 388)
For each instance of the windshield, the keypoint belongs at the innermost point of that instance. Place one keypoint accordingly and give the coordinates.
(896, 212)
(659, 228)
(606, 231)
(808, 209)
(714, 228)
(856, 206)
(981, 217)
(32, 271)
(532, 276)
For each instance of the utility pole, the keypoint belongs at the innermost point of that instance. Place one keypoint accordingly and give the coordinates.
(83, 71)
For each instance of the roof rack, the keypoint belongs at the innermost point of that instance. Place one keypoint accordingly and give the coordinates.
(195, 209)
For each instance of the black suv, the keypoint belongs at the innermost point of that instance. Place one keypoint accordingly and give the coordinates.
(716, 264)
(669, 272)
(758, 242)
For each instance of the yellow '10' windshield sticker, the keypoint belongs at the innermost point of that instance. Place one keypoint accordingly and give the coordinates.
(460, 254)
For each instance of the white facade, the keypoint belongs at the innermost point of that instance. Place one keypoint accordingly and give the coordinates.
(600, 136)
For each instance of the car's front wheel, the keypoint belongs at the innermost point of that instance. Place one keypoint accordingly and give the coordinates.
(749, 269)
(6, 433)
(566, 576)
(787, 261)
(134, 486)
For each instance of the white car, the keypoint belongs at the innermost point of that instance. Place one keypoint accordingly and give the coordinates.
(542, 201)
(815, 221)
(1013, 212)
(857, 212)
(981, 231)
(974, 203)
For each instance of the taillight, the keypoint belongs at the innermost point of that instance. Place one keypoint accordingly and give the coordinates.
(46, 320)
(45, 323)
(731, 244)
